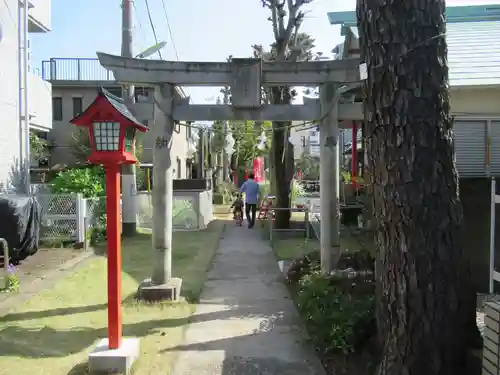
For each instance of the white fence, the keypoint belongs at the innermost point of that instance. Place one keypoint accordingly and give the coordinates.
(67, 216)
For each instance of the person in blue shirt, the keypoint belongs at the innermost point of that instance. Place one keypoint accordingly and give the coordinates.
(251, 188)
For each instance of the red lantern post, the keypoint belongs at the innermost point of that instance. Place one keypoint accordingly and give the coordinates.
(112, 137)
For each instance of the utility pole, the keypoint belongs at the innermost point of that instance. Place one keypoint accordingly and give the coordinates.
(129, 188)
(225, 156)
(329, 178)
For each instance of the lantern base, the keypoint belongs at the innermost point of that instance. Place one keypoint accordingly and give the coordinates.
(103, 359)
(170, 291)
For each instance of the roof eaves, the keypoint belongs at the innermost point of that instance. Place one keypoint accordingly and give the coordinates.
(474, 13)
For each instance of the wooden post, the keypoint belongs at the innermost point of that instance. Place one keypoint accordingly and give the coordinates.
(114, 256)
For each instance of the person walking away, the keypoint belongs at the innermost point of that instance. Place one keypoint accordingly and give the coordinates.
(251, 188)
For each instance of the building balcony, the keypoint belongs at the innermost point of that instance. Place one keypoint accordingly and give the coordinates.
(40, 16)
(40, 102)
(74, 69)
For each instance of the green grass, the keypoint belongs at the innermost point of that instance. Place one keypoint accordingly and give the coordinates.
(293, 248)
(52, 333)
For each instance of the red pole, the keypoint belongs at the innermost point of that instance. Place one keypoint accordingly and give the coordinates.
(354, 149)
(114, 256)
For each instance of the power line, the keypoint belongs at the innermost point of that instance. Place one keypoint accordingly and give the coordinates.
(169, 29)
(152, 27)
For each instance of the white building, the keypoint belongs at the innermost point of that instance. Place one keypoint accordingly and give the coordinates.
(13, 145)
(305, 140)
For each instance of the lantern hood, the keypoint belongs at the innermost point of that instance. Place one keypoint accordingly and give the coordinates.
(118, 104)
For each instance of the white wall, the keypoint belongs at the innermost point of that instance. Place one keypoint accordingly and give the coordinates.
(41, 15)
(9, 92)
(40, 102)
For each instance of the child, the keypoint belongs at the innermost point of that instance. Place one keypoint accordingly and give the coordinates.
(238, 206)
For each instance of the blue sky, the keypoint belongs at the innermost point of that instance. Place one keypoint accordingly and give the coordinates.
(203, 30)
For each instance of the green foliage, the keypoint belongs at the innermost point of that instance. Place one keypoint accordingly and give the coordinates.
(90, 182)
(37, 146)
(246, 136)
(309, 165)
(12, 280)
(140, 178)
(339, 316)
(80, 144)
(297, 190)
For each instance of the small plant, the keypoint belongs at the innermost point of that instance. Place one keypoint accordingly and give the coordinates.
(12, 281)
(339, 311)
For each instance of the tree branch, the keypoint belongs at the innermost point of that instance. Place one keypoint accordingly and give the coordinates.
(274, 20)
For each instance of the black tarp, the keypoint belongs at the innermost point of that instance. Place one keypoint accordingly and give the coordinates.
(20, 218)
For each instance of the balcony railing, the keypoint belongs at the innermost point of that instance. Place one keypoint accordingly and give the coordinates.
(75, 69)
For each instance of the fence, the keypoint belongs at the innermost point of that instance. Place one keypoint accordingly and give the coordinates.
(69, 216)
(63, 216)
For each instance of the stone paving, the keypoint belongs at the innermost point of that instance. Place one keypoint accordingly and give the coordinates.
(246, 323)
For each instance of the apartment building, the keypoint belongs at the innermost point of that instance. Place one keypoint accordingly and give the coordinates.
(75, 83)
(17, 76)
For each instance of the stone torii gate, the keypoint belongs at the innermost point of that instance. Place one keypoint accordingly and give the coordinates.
(246, 77)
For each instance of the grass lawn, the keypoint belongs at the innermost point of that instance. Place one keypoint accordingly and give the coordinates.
(293, 248)
(52, 333)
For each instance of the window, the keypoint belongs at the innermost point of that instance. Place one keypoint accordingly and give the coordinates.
(179, 170)
(107, 136)
(77, 106)
(57, 109)
(303, 141)
(189, 131)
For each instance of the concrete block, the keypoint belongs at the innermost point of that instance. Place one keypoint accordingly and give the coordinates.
(170, 291)
(105, 360)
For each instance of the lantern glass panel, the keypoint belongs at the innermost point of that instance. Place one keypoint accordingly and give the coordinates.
(107, 136)
(129, 139)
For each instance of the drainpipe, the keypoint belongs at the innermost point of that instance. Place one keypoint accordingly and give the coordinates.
(27, 163)
(20, 80)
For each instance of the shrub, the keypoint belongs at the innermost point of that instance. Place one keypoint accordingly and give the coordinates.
(90, 182)
(339, 310)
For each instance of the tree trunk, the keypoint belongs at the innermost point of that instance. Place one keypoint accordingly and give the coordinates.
(280, 158)
(426, 305)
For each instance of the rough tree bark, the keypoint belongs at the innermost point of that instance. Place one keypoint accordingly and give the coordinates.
(426, 306)
(286, 18)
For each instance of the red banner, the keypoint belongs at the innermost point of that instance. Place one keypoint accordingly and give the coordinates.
(258, 169)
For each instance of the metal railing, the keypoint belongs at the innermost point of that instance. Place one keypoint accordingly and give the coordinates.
(75, 69)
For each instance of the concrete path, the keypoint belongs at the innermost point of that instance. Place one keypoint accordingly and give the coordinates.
(246, 323)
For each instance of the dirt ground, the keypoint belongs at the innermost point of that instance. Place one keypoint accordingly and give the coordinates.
(38, 266)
